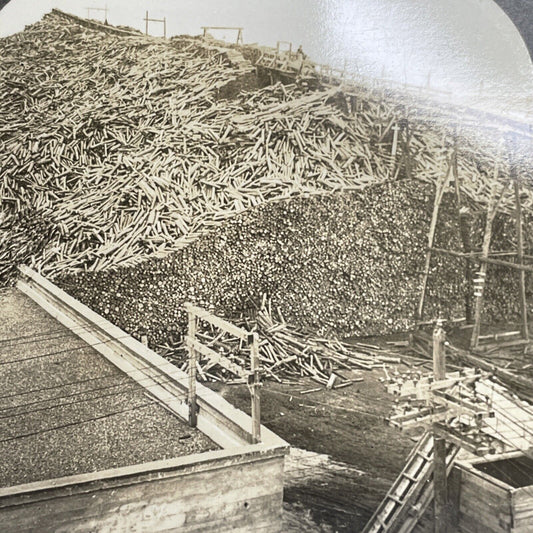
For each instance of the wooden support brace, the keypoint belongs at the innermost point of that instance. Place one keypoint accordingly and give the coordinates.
(230, 328)
(463, 441)
(195, 347)
(520, 251)
(460, 405)
(214, 357)
(440, 187)
(481, 259)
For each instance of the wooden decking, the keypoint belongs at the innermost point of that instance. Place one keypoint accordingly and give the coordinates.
(94, 460)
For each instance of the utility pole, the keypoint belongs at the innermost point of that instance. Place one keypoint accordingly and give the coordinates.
(439, 443)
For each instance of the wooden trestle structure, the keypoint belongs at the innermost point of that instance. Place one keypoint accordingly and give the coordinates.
(511, 186)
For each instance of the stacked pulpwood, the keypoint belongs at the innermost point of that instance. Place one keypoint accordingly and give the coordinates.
(123, 144)
(345, 264)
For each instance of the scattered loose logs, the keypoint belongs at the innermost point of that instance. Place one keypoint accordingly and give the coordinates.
(285, 352)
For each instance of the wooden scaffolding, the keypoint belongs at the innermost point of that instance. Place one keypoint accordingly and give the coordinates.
(477, 261)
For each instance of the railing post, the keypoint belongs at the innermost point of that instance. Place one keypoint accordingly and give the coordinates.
(193, 419)
(254, 386)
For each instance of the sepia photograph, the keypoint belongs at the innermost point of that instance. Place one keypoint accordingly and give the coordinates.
(266, 266)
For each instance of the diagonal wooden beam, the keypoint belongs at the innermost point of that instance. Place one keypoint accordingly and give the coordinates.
(439, 193)
(520, 255)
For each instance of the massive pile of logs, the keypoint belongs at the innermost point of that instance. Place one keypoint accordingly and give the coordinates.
(339, 264)
(125, 144)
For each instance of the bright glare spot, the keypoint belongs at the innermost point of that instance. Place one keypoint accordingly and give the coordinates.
(466, 51)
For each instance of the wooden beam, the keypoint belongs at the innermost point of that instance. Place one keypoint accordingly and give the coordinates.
(520, 253)
(491, 213)
(228, 327)
(222, 28)
(406, 152)
(193, 408)
(439, 192)
(439, 354)
(215, 357)
(481, 259)
(463, 441)
(255, 390)
(464, 230)
(439, 443)
(460, 405)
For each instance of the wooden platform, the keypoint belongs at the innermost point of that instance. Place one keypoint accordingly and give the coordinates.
(238, 487)
(66, 410)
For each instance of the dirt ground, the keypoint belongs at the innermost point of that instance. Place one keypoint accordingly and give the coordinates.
(360, 454)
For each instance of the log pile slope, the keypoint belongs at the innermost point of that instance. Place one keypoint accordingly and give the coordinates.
(130, 147)
(337, 264)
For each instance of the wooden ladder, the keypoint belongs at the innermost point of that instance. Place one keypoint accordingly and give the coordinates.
(411, 493)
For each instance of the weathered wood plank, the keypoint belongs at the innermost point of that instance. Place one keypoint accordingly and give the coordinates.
(236, 497)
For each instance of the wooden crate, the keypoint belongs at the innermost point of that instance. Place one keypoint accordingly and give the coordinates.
(489, 504)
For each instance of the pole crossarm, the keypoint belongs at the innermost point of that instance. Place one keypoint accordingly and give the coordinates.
(89, 9)
(163, 21)
(462, 440)
(238, 29)
(205, 28)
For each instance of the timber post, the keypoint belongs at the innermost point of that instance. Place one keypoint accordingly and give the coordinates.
(193, 408)
(439, 193)
(254, 386)
(163, 21)
(197, 349)
(519, 240)
(439, 443)
(464, 230)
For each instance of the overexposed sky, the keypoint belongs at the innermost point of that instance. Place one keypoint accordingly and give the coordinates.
(465, 46)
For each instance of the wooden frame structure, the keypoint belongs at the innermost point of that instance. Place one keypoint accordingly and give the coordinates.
(196, 348)
(163, 21)
(236, 488)
(484, 257)
(104, 9)
(239, 30)
(463, 410)
(436, 451)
